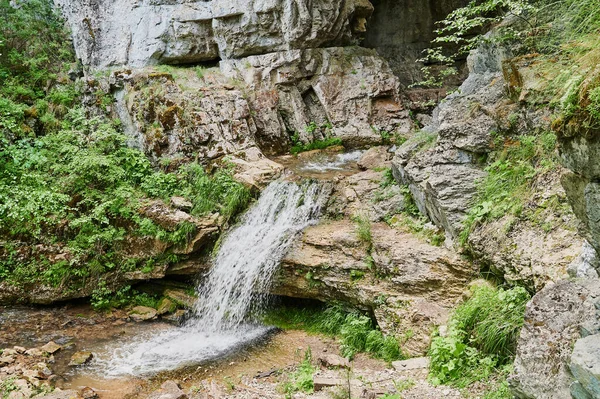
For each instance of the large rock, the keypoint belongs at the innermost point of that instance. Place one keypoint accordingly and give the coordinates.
(121, 32)
(344, 92)
(585, 366)
(555, 318)
(410, 284)
(442, 176)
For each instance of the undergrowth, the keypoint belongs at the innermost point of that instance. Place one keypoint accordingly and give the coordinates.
(513, 167)
(481, 337)
(326, 142)
(301, 380)
(68, 182)
(356, 332)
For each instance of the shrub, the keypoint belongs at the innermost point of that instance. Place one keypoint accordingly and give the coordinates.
(482, 335)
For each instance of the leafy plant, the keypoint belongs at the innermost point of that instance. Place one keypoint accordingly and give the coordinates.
(482, 336)
(301, 380)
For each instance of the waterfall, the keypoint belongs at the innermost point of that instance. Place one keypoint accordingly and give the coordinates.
(235, 287)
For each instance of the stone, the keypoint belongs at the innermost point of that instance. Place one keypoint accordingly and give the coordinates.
(34, 352)
(6, 360)
(255, 171)
(333, 361)
(181, 204)
(89, 393)
(51, 347)
(176, 318)
(553, 321)
(165, 306)
(80, 358)
(411, 364)
(375, 157)
(23, 388)
(18, 349)
(60, 394)
(180, 297)
(142, 313)
(585, 365)
(320, 382)
(586, 265)
(168, 390)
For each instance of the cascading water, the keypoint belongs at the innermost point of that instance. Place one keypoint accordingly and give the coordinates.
(233, 289)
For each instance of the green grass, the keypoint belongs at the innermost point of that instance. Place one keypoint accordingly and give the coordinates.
(481, 337)
(301, 380)
(512, 169)
(363, 229)
(315, 145)
(356, 332)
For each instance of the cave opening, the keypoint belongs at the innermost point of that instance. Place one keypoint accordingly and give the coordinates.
(399, 30)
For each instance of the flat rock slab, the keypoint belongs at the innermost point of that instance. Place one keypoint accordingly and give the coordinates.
(142, 313)
(334, 361)
(411, 364)
(51, 347)
(326, 382)
(168, 390)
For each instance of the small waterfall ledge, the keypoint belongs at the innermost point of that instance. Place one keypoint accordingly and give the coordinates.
(233, 293)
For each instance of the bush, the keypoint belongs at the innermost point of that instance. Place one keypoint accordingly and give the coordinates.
(356, 332)
(482, 336)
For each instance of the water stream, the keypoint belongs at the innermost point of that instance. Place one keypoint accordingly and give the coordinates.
(233, 291)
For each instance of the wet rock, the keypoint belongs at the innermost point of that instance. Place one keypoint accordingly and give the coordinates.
(142, 313)
(333, 361)
(176, 318)
(181, 203)
(51, 347)
(585, 366)
(166, 306)
(557, 316)
(80, 358)
(89, 393)
(168, 390)
(180, 297)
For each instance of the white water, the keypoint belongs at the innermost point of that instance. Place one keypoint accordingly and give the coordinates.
(233, 290)
(337, 162)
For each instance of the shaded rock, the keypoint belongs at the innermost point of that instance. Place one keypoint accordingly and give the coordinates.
(166, 306)
(80, 358)
(89, 393)
(182, 204)
(18, 349)
(190, 267)
(585, 366)
(556, 317)
(176, 318)
(51, 347)
(142, 313)
(333, 361)
(168, 390)
(180, 297)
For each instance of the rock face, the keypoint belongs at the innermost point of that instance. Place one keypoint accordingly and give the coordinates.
(410, 284)
(546, 365)
(121, 32)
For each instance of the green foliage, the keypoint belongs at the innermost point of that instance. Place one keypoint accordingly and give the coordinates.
(328, 141)
(356, 332)
(482, 335)
(514, 165)
(363, 229)
(301, 380)
(104, 298)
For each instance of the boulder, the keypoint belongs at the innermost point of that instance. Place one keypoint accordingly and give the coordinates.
(166, 306)
(182, 204)
(142, 313)
(557, 316)
(375, 157)
(411, 364)
(585, 366)
(168, 390)
(81, 358)
(333, 361)
(180, 297)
